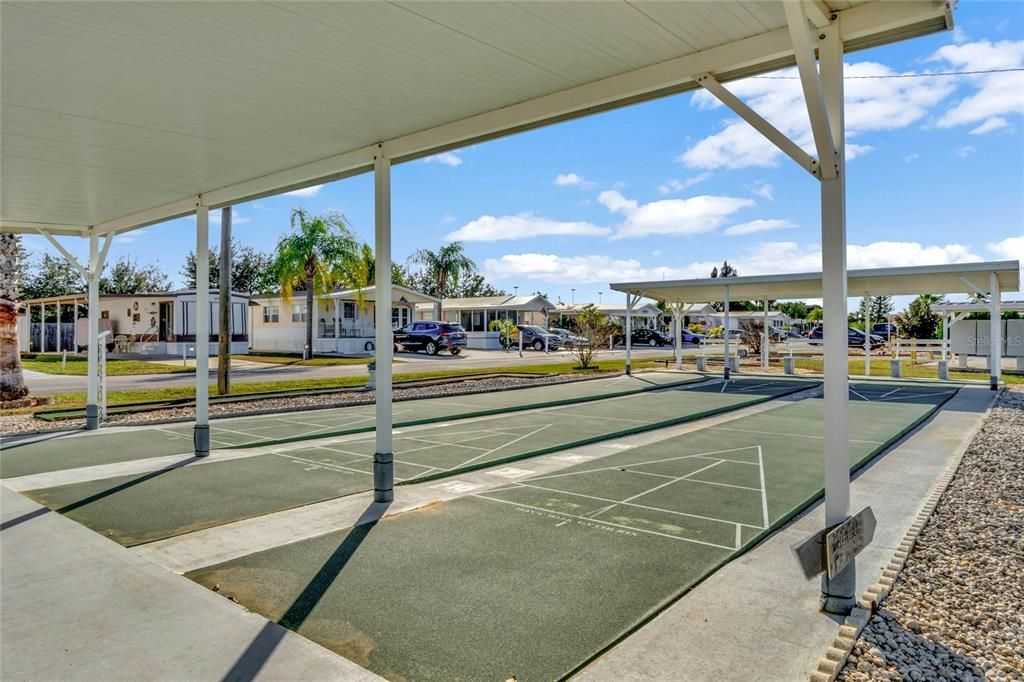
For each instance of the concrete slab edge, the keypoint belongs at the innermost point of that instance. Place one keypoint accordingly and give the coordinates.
(832, 662)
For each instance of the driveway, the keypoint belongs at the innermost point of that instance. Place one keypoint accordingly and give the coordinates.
(47, 384)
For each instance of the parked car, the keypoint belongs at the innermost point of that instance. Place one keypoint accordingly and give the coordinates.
(884, 329)
(854, 337)
(431, 337)
(569, 340)
(692, 337)
(646, 337)
(534, 337)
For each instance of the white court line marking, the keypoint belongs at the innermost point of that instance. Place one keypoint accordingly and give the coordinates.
(751, 388)
(895, 390)
(739, 535)
(705, 455)
(449, 445)
(787, 435)
(607, 523)
(764, 488)
(867, 400)
(493, 450)
(724, 385)
(907, 397)
(594, 416)
(724, 485)
(173, 433)
(325, 465)
(519, 484)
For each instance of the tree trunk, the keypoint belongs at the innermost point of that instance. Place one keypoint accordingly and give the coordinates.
(224, 308)
(12, 381)
(307, 352)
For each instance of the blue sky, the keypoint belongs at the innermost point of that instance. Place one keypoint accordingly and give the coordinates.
(669, 188)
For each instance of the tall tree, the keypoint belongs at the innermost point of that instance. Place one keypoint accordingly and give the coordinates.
(12, 380)
(918, 321)
(251, 270)
(51, 276)
(126, 276)
(224, 305)
(444, 268)
(796, 310)
(313, 258)
(728, 271)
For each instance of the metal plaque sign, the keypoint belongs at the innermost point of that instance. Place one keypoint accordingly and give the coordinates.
(846, 540)
(832, 549)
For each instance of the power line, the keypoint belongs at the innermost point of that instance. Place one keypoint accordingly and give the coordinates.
(907, 75)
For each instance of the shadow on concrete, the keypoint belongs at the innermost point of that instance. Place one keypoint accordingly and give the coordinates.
(260, 649)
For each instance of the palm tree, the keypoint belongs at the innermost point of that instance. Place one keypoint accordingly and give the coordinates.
(314, 257)
(12, 381)
(445, 267)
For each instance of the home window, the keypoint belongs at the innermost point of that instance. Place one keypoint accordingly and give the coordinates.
(349, 310)
(299, 312)
(271, 314)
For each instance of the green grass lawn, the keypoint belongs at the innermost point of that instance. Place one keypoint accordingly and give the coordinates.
(68, 400)
(77, 365)
(296, 359)
(880, 368)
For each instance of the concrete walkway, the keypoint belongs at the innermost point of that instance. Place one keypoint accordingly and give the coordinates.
(770, 628)
(79, 606)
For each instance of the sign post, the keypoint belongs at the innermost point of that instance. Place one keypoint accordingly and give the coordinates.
(832, 549)
(101, 370)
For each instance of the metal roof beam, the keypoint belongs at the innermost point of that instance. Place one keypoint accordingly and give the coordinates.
(758, 122)
(818, 13)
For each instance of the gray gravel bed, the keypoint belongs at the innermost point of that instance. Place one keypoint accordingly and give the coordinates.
(956, 610)
(25, 423)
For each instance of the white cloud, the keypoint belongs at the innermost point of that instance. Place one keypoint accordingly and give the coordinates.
(1011, 248)
(996, 94)
(762, 259)
(523, 226)
(911, 157)
(675, 185)
(447, 219)
(871, 105)
(765, 190)
(447, 158)
(306, 192)
(134, 235)
(991, 125)
(572, 179)
(758, 226)
(966, 150)
(236, 219)
(695, 215)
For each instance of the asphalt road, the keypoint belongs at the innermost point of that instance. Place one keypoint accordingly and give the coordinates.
(48, 384)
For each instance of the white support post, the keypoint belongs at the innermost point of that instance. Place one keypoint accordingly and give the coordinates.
(58, 327)
(629, 332)
(337, 325)
(946, 317)
(995, 331)
(819, 109)
(766, 343)
(677, 313)
(838, 593)
(201, 435)
(383, 457)
(725, 336)
(74, 328)
(867, 336)
(92, 410)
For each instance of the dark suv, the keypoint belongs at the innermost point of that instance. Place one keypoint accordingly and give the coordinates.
(533, 337)
(431, 337)
(645, 337)
(854, 337)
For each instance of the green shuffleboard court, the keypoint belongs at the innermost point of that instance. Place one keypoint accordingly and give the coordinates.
(538, 576)
(68, 451)
(191, 496)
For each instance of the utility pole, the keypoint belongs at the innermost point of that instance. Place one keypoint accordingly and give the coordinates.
(224, 305)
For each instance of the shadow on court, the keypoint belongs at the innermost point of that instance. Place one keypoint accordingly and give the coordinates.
(262, 648)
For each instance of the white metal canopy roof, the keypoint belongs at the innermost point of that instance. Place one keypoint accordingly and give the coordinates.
(975, 306)
(117, 115)
(923, 279)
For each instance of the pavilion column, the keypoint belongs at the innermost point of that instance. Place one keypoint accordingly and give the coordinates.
(725, 335)
(766, 342)
(383, 458)
(839, 593)
(629, 332)
(337, 325)
(867, 336)
(995, 332)
(201, 435)
(58, 326)
(92, 409)
(677, 313)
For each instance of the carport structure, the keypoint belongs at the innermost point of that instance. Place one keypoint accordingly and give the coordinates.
(117, 116)
(985, 280)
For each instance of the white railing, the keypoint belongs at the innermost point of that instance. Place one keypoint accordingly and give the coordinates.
(914, 346)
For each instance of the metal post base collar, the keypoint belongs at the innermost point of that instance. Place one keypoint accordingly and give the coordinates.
(201, 440)
(92, 417)
(383, 476)
(838, 595)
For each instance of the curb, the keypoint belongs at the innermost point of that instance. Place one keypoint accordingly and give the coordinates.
(832, 663)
